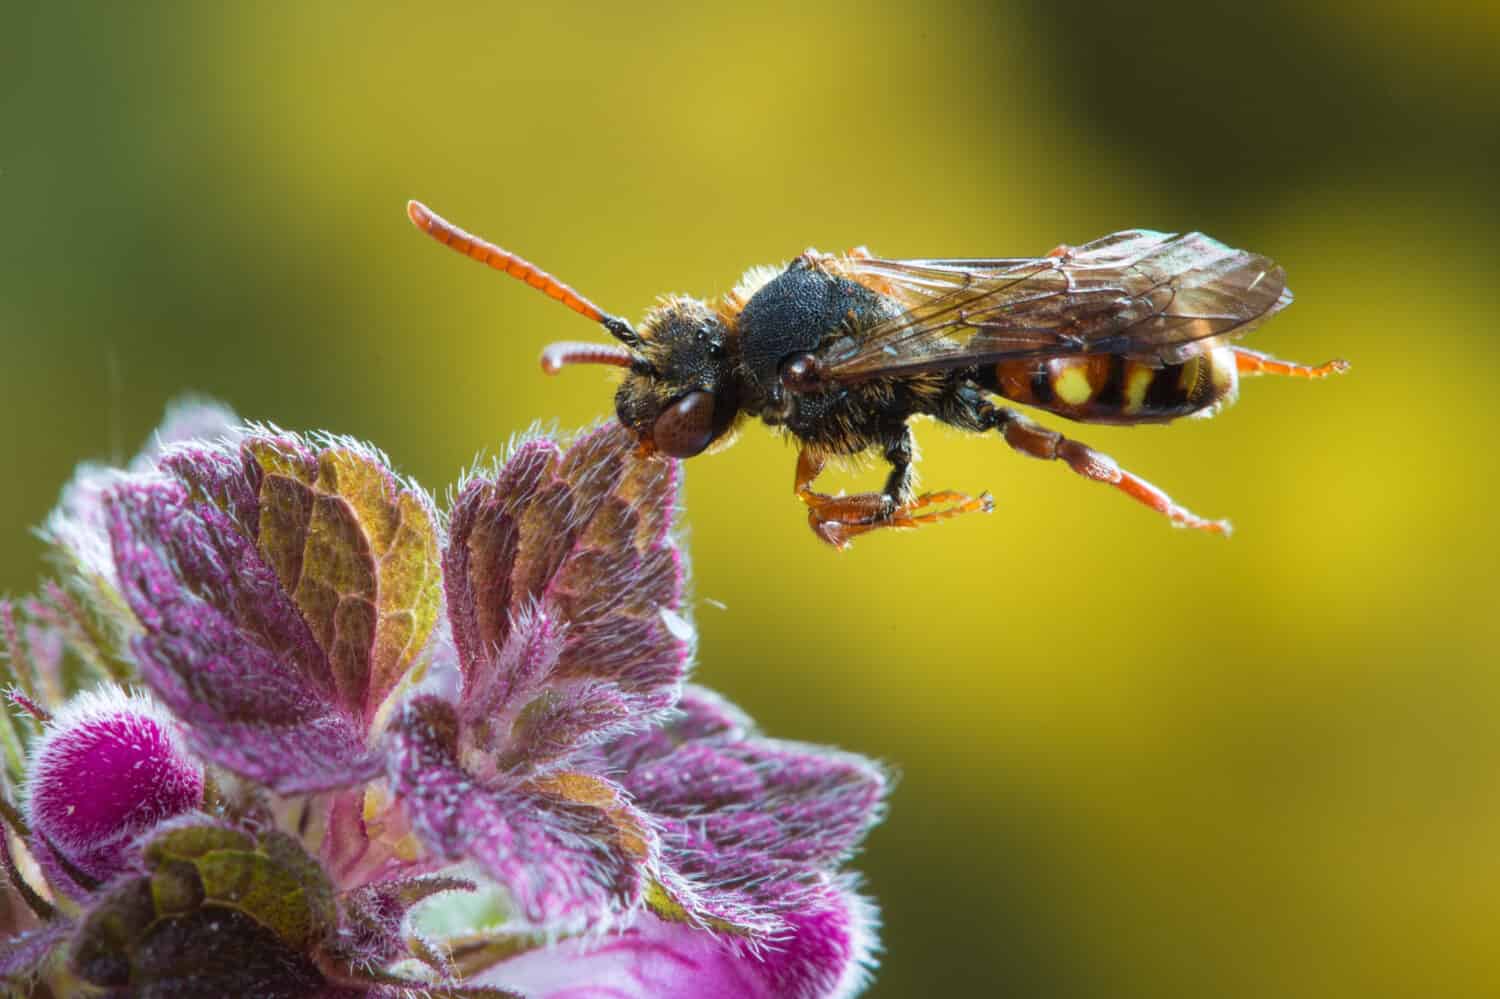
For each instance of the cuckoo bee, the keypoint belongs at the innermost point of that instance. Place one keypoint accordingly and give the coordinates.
(841, 351)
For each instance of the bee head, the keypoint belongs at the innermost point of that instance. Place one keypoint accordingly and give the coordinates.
(684, 394)
(680, 393)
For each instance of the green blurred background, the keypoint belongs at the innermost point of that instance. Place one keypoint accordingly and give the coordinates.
(1136, 761)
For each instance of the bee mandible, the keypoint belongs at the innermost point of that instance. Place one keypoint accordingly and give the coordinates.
(842, 351)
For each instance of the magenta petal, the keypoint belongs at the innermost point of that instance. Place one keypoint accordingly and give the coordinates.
(566, 855)
(517, 671)
(224, 649)
(228, 479)
(79, 525)
(820, 801)
(831, 952)
(701, 714)
(758, 820)
(553, 725)
(827, 955)
(317, 755)
(484, 535)
(563, 586)
(696, 778)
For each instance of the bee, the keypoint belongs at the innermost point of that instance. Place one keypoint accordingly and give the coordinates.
(841, 352)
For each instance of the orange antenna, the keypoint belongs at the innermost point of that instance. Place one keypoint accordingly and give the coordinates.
(485, 252)
(560, 355)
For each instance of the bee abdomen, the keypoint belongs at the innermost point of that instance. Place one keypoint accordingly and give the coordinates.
(1107, 388)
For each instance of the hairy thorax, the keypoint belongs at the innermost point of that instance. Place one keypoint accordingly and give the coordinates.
(805, 310)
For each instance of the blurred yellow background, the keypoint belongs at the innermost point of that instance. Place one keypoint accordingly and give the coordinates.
(1136, 762)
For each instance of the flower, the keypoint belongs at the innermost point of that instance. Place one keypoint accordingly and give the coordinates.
(357, 718)
(108, 766)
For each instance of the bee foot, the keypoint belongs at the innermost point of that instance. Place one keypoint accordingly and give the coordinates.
(929, 508)
(949, 503)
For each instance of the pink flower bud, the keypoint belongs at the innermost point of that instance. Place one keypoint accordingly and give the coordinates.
(109, 766)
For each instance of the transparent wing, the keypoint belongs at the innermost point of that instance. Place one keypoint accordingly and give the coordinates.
(1154, 297)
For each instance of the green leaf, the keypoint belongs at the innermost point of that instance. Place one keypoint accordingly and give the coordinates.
(358, 553)
(261, 904)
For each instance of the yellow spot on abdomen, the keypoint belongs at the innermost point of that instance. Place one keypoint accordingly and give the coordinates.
(1072, 385)
(1136, 384)
(1223, 370)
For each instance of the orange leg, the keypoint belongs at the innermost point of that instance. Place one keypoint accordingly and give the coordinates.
(1253, 362)
(1039, 442)
(838, 519)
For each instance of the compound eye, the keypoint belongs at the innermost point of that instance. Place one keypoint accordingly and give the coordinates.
(684, 428)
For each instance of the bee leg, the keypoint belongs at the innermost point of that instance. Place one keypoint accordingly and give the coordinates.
(1039, 442)
(837, 519)
(1253, 362)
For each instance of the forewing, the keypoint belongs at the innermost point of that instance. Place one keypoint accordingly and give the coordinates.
(1154, 297)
